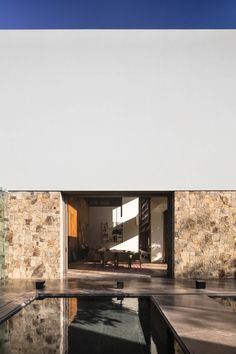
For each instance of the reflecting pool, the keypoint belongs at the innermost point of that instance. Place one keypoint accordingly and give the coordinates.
(87, 326)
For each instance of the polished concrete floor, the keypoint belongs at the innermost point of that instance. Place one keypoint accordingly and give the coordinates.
(202, 324)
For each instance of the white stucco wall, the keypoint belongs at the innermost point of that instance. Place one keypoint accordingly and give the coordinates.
(117, 110)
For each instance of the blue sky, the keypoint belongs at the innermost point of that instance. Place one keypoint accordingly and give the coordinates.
(117, 14)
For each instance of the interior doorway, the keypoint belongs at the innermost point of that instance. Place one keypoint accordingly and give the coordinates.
(119, 232)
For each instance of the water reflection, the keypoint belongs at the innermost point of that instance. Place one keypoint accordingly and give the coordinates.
(86, 326)
(227, 301)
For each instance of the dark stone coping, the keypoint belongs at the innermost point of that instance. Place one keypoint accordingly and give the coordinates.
(12, 307)
(199, 323)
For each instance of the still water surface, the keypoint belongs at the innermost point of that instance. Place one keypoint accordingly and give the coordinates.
(87, 326)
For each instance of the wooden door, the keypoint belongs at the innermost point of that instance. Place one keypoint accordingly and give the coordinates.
(72, 221)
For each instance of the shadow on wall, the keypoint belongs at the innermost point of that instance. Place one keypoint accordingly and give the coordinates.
(131, 239)
(3, 231)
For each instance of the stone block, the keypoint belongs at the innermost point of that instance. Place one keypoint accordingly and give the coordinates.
(212, 237)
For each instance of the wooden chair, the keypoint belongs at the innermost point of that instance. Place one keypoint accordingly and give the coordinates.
(139, 256)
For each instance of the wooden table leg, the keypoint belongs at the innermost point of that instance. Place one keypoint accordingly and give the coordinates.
(116, 259)
(130, 260)
(102, 259)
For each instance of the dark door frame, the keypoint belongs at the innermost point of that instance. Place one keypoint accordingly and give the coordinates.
(170, 216)
(170, 236)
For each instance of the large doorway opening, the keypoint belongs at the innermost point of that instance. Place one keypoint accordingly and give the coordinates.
(119, 233)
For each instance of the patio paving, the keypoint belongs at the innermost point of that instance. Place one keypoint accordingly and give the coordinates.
(202, 325)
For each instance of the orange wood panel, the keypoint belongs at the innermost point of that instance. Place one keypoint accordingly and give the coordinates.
(72, 221)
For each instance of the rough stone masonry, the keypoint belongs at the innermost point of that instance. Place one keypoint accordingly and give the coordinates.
(33, 236)
(3, 231)
(205, 234)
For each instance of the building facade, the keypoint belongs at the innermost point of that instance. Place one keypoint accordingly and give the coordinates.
(32, 234)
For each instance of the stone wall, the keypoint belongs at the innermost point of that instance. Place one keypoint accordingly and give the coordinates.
(3, 230)
(34, 232)
(205, 234)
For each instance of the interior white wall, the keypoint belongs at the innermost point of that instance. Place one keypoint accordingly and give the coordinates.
(112, 216)
(98, 215)
(118, 110)
(129, 218)
(158, 206)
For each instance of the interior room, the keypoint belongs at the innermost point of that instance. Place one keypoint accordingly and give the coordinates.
(118, 233)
